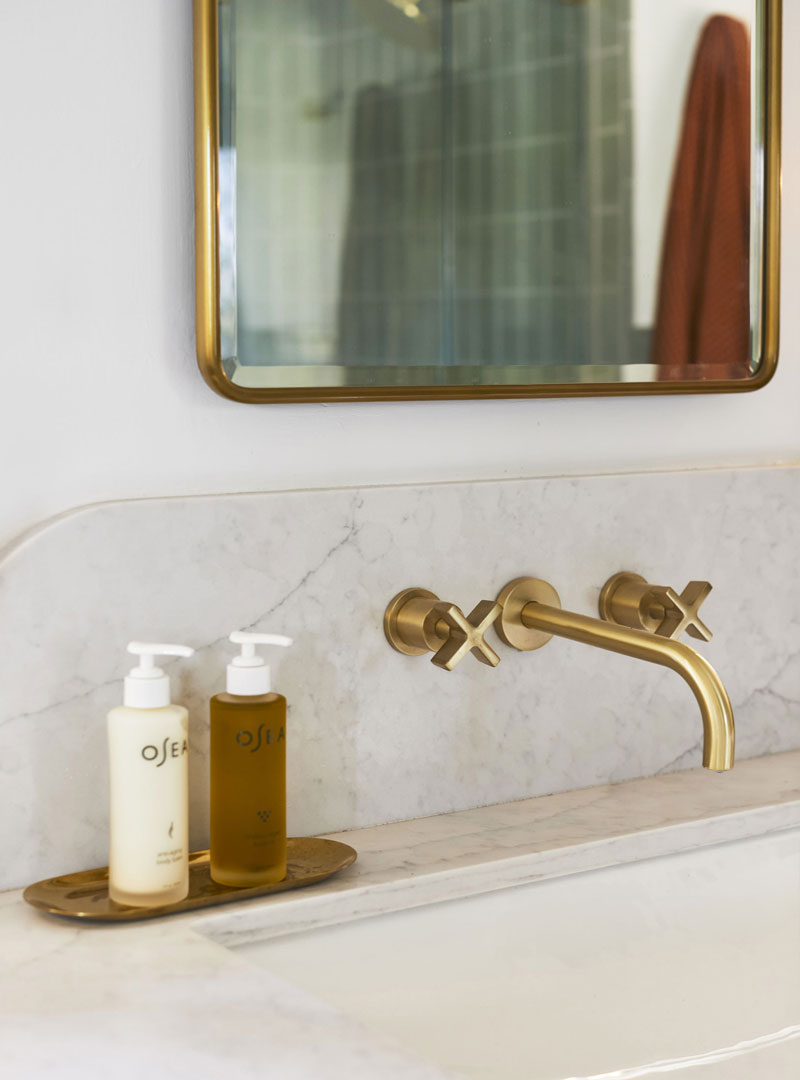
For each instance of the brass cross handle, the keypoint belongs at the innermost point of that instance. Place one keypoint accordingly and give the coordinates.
(628, 600)
(417, 621)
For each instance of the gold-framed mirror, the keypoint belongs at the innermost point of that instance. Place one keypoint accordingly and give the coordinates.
(429, 199)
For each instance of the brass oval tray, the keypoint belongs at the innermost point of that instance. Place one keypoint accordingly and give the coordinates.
(85, 895)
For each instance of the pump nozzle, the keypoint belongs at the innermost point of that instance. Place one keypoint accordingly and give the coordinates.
(147, 686)
(248, 674)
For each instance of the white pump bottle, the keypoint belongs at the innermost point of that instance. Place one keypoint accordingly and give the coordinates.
(148, 743)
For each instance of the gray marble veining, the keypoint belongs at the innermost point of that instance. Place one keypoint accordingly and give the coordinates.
(375, 736)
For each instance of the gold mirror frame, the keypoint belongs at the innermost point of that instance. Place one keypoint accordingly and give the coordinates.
(209, 357)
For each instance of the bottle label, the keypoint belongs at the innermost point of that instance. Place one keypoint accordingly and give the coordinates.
(263, 737)
(170, 748)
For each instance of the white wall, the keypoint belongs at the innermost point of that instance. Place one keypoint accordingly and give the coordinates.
(101, 397)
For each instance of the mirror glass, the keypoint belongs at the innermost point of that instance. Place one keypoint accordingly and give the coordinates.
(478, 193)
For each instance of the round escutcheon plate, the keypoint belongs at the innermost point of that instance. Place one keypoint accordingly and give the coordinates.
(514, 598)
(609, 590)
(391, 618)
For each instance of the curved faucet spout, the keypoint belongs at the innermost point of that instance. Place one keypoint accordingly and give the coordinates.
(715, 706)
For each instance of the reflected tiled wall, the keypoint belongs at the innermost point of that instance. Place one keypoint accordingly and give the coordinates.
(455, 192)
(542, 147)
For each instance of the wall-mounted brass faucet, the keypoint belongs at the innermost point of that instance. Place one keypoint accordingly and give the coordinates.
(528, 613)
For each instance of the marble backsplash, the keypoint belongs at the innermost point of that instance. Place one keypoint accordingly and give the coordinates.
(375, 736)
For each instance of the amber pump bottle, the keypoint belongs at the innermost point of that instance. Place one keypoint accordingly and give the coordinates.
(248, 771)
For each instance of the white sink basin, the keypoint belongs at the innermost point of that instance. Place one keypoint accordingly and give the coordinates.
(682, 965)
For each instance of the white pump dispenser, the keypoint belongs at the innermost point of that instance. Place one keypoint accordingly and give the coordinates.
(248, 674)
(147, 686)
(148, 745)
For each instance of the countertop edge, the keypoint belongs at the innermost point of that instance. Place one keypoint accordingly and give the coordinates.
(450, 856)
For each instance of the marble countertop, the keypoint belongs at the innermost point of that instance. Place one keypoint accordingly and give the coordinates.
(167, 998)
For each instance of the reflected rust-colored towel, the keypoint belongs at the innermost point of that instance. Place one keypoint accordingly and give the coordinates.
(703, 316)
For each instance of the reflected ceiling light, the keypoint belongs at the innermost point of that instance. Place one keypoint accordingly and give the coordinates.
(407, 22)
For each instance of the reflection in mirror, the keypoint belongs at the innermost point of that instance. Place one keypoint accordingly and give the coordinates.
(701, 314)
(490, 193)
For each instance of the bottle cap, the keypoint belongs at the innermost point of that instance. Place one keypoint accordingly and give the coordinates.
(147, 686)
(248, 673)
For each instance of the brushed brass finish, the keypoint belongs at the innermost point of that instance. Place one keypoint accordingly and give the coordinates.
(206, 193)
(210, 360)
(404, 622)
(466, 634)
(84, 895)
(711, 696)
(514, 598)
(628, 600)
(416, 621)
(771, 76)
